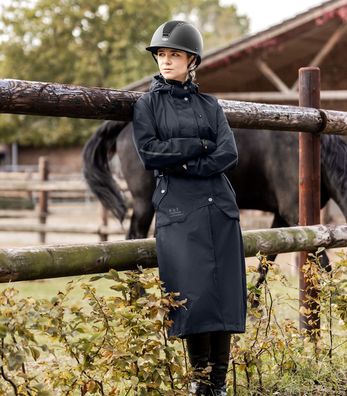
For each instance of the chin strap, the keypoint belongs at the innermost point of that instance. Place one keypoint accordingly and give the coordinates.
(154, 57)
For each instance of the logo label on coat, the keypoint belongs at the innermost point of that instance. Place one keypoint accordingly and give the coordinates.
(173, 212)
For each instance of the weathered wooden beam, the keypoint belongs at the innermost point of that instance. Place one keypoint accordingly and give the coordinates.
(36, 185)
(48, 186)
(66, 260)
(50, 99)
(64, 229)
(286, 118)
(62, 100)
(335, 122)
(272, 76)
(275, 96)
(326, 49)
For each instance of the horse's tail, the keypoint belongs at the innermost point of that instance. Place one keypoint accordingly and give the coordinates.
(96, 155)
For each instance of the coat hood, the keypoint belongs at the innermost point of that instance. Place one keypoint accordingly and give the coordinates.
(177, 88)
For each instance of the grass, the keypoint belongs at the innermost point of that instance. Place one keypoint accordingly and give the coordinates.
(285, 295)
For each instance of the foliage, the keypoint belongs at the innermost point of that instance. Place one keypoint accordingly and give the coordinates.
(276, 357)
(111, 346)
(117, 344)
(219, 25)
(93, 43)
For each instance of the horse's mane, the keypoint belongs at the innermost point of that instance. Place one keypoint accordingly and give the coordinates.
(334, 161)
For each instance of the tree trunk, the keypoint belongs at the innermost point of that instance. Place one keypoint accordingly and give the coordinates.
(66, 260)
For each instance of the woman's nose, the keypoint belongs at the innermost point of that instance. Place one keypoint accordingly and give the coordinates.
(167, 59)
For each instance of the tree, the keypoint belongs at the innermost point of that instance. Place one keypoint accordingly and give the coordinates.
(90, 42)
(218, 24)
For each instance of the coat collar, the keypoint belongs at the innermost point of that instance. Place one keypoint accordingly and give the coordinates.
(176, 88)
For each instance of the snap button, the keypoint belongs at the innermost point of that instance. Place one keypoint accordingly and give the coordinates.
(210, 199)
(186, 99)
(185, 87)
(162, 191)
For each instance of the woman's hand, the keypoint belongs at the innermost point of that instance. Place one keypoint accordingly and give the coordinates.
(208, 146)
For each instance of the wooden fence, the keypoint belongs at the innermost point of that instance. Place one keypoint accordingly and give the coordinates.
(40, 184)
(49, 99)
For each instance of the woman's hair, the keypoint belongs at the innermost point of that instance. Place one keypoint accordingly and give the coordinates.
(192, 75)
(191, 68)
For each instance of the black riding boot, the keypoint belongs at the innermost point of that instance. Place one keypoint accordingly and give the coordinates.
(219, 358)
(198, 346)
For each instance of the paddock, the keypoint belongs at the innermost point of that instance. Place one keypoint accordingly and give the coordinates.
(49, 99)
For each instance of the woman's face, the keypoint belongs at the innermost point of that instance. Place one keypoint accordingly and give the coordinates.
(173, 64)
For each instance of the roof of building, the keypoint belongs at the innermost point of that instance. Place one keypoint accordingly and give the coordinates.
(269, 60)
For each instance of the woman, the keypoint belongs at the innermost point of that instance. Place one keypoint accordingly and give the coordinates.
(184, 137)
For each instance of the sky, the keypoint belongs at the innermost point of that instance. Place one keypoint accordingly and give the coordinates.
(265, 13)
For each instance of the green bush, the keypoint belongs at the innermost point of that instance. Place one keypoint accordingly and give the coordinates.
(116, 344)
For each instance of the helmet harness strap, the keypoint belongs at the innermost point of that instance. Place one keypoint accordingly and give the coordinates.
(154, 57)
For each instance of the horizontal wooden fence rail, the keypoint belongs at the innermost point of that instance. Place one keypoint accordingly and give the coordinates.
(64, 229)
(66, 260)
(36, 185)
(50, 185)
(61, 100)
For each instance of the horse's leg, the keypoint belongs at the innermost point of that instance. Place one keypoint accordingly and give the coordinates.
(278, 221)
(141, 218)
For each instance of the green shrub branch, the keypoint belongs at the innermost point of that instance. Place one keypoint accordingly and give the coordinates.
(116, 343)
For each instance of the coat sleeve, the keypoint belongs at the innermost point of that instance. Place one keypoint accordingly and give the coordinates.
(225, 156)
(156, 153)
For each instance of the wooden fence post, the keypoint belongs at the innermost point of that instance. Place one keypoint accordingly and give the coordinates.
(309, 199)
(43, 195)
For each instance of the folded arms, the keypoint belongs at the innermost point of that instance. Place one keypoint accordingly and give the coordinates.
(191, 156)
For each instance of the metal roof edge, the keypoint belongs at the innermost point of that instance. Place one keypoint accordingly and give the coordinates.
(272, 32)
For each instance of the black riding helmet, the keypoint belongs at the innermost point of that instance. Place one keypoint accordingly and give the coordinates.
(178, 35)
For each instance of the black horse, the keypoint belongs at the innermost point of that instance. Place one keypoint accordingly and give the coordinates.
(266, 177)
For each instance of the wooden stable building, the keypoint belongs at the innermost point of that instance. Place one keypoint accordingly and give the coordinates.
(263, 67)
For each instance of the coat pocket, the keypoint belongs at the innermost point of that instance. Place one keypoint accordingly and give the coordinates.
(160, 191)
(175, 198)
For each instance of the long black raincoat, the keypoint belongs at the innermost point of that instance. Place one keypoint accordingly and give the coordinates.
(198, 239)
